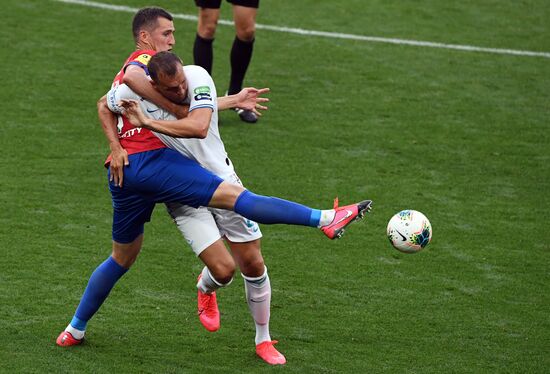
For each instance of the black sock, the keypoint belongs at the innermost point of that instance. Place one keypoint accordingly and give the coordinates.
(202, 53)
(241, 54)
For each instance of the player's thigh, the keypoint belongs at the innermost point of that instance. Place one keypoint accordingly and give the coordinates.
(249, 257)
(245, 22)
(235, 227)
(130, 213)
(166, 176)
(196, 225)
(232, 225)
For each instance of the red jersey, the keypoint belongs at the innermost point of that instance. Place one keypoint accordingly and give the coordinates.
(135, 139)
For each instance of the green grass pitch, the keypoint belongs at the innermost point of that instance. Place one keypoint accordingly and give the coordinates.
(461, 136)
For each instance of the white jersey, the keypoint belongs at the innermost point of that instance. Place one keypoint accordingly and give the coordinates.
(201, 93)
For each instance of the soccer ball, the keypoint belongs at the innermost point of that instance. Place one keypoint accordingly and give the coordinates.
(409, 231)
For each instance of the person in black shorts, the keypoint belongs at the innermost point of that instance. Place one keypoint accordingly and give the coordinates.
(244, 16)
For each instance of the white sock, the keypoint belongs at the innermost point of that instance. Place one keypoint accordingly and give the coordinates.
(327, 216)
(258, 297)
(207, 283)
(77, 334)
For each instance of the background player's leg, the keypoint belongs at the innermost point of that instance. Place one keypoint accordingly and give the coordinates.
(241, 53)
(203, 49)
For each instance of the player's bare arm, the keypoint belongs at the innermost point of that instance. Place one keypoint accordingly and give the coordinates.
(119, 156)
(248, 98)
(137, 80)
(195, 125)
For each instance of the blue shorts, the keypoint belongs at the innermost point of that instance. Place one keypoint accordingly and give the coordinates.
(158, 176)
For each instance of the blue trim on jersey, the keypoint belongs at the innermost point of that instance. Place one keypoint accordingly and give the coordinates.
(202, 106)
(158, 176)
(137, 63)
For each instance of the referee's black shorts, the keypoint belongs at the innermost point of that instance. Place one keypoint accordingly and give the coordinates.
(215, 4)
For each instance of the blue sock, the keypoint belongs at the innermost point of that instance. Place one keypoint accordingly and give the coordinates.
(268, 210)
(100, 284)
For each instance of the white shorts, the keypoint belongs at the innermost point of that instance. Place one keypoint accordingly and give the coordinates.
(203, 226)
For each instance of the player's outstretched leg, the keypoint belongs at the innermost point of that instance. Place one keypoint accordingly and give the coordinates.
(344, 216)
(272, 210)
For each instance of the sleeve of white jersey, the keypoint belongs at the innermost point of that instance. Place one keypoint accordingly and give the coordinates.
(118, 93)
(202, 91)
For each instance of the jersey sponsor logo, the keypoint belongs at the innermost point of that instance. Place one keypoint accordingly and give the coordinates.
(130, 132)
(144, 59)
(202, 93)
(202, 90)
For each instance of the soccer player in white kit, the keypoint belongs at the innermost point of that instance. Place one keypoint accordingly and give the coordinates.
(204, 228)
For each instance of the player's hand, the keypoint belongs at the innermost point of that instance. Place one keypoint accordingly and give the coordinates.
(250, 99)
(133, 113)
(119, 159)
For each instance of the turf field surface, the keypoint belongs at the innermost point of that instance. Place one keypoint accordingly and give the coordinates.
(461, 136)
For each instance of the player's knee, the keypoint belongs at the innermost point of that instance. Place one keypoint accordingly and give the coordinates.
(226, 196)
(125, 258)
(246, 33)
(207, 28)
(223, 272)
(125, 254)
(253, 266)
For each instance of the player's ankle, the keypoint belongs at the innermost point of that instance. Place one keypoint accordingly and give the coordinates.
(327, 216)
(76, 333)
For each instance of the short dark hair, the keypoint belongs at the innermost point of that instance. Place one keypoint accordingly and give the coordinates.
(148, 18)
(166, 63)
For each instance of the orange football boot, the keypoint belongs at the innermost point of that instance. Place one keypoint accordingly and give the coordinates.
(344, 216)
(208, 311)
(66, 339)
(269, 354)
